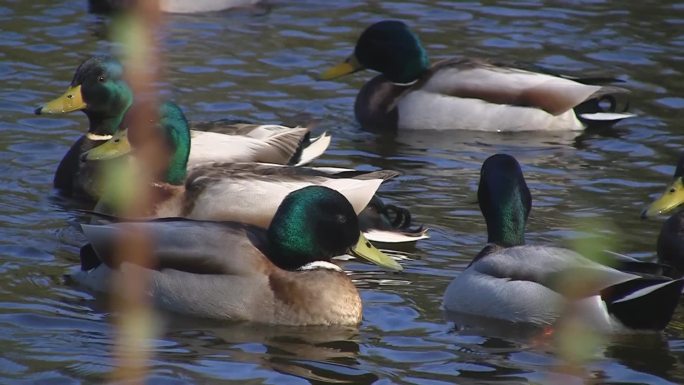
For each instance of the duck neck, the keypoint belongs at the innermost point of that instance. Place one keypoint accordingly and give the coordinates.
(679, 171)
(290, 247)
(506, 222)
(177, 170)
(412, 70)
(176, 137)
(406, 71)
(103, 124)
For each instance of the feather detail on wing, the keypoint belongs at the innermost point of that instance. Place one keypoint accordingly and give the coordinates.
(558, 269)
(192, 246)
(251, 193)
(213, 147)
(313, 149)
(503, 85)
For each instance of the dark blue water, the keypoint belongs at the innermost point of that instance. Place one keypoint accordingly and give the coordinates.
(260, 65)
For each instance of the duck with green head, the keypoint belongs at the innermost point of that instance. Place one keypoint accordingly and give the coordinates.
(670, 244)
(467, 94)
(97, 89)
(235, 271)
(512, 281)
(101, 92)
(245, 192)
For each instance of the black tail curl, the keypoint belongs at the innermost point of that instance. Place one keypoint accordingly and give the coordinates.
(381, 216)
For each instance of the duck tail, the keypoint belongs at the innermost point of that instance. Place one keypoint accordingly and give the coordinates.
(592, 80)
(632, 265)
(285, 143)
(310, 149)
(644, 303)
(396, 236)
(89, 259)
(605, 107)
(389, 223)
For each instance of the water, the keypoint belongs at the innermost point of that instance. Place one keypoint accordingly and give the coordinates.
(259, 65)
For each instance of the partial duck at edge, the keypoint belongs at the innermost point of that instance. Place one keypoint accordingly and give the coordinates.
(512, 281)
(670, 245)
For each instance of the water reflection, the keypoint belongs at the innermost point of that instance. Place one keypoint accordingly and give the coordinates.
(318, 354)
(465, 324)
(648, 353)
(645, 355)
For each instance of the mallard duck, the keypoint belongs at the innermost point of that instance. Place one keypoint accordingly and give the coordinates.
(671, 237)
(467, 94)
(236, 271)
(536, 284)
(100, 91)
(245, 192)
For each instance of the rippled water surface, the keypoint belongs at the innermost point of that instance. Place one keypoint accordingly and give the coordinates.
(259, 65)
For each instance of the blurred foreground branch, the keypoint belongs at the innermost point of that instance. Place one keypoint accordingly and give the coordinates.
(136, 31)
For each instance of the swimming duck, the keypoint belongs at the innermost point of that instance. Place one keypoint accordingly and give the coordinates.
(99, 90)
(245, 192)
(536, 284)
(466, 94)
(236, 271)
(671, 237)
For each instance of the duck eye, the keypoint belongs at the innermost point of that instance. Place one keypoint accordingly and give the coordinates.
(672, 190)
(101, 78)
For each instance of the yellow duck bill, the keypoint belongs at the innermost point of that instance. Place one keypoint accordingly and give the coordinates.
(364, 249)
(672, 198)
(115, 147)
(71, 100)
(347, 67)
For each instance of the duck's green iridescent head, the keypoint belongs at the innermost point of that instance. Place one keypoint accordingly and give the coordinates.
(388, 47)
(673, 196)
(175, 132)
(99, 90)
(316, 223)
(505, 200)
